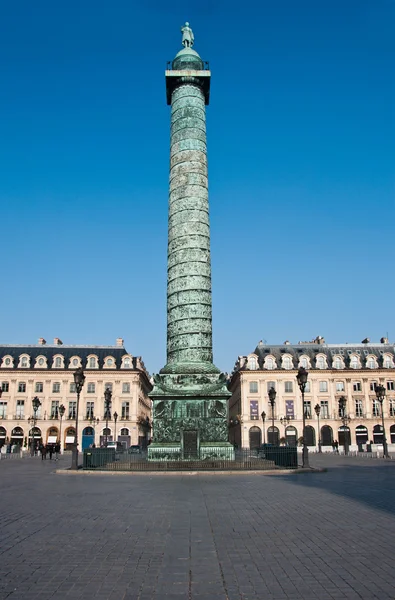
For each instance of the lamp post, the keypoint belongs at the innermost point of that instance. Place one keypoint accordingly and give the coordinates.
(61, 414)
(302, 381)
(107, 406)
(317, 409)
(115, 426)
(345, 420)
(272, 400)
(36, 405)
(263, 415)
(79, 379)
(285, 421)
(380, 394)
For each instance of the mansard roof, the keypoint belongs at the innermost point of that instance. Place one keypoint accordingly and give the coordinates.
(67, 351)
(312, 350)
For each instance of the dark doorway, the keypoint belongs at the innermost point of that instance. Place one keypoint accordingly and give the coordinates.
(361, 435)
(326, 435)
(255, 438)
(344, 434)
(190, 444)
(309, 435)
(392, 434)
(291, 435)
(378, 434)
(273, 436)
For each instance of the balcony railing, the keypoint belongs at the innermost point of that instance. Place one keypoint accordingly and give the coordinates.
(19, 417)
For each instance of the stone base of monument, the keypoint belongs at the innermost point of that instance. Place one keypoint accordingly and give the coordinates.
(205, 452)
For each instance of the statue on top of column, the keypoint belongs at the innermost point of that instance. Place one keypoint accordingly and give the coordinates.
(187, 36)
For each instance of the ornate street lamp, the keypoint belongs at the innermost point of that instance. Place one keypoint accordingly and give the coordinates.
(107, 406)
(345, 420)
(61, 415)
(317, 409)
(380, 394)
(302, 382)
(272, 399)
(263, 415)
(36, 405)
(79, 379)
(115, 426)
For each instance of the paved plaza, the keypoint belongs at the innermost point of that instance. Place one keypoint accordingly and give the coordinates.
(230, 537)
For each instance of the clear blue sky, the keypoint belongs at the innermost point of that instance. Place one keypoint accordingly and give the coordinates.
(301, 167)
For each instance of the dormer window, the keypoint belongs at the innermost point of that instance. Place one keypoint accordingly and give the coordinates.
(24, 361)
(388, 362)
(109, 362)
(354, 362)
(321, 362)
(338, 363)
(92, 362)
(371, 362)
(287, 362)
(252, 363)
(304, 362)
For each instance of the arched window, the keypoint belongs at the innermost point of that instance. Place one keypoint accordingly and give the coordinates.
(269, 363)
(58, 362)
(24, 361)
(287, 362)
(309, 434)
(92, 362)
(321, 363)
(378, 434)
(252, 365)
(354, 362)
(371, 362)
(273, 436)
(304, 362)
(388, 362)
(326, 435)
(338, 363)
(291, 435)
(255, 436)
(124, 431)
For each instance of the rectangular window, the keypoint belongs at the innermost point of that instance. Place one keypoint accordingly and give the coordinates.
(358, 408)
(21, 386)
(376, 408)
(253, 387)
(56, 388)
(323, 386)
(392, 408)
(126, 388)
(72, 409)
(73, 389)
(307, 389)
(3, 410)
(39, 387)
(289, 386)
(254, 415)
(55, 409)
(91, 388)
(90, 410)
(324, 409)
(390, 386)
(125, 410)
(5, 386)
(373, 385)
(340, 386)
(270, 385)
(20, 409)
(356, 386)
(307, 409)
(108, 386)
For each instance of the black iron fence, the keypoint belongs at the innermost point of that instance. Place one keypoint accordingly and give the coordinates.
(267, 457)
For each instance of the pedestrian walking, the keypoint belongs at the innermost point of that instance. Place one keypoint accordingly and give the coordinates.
(43, 451)
(50, 450)
(57, 451)
(337, 447)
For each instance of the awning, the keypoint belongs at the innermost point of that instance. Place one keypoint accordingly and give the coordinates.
(52, 439)
(70, 439)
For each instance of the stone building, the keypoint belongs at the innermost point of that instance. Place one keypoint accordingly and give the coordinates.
(46, 371)
(335, 370)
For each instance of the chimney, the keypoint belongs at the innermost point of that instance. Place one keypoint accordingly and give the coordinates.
(57, 342)
(287, 343)
(384, 340)
(119, 342)
(41, 342)
(365, 341)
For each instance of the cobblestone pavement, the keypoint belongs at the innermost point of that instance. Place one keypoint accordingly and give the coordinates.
(198, 537)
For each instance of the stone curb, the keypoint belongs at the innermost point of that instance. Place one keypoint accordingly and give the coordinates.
(191, 473)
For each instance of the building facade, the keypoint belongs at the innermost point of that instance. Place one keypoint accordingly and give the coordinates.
(46, 371)
(334, 371)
